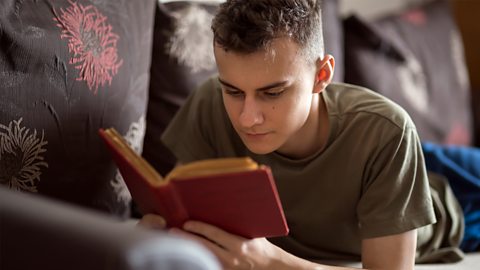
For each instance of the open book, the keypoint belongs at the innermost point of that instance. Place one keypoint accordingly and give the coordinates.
(234, 194)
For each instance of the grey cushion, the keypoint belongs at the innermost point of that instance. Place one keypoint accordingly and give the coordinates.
(333, 36)
(40, 233)
(415, 58)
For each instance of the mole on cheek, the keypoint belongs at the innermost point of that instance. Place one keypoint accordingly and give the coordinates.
(273, 108)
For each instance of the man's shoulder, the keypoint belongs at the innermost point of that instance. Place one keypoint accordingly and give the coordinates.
(348, 99)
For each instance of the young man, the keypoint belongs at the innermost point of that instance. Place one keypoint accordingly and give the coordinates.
(347, 162)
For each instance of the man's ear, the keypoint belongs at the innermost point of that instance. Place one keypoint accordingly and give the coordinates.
(324, 74)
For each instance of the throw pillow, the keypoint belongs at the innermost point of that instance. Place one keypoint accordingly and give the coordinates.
(68, 68)
(416, 59)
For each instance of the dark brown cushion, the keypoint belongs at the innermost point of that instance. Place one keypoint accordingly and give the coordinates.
(182, 59)
(333, 36)
(416, 59)
(68, 68)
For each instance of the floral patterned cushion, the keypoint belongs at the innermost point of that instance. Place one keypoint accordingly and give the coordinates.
(68, 68)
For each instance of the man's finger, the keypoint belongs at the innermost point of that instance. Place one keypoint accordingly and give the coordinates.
(219, 236)
(152, 221)
(223, 255)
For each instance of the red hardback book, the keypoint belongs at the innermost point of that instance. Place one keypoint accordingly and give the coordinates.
(234, 194)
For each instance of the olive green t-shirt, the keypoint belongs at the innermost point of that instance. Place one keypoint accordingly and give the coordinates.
(368, 181)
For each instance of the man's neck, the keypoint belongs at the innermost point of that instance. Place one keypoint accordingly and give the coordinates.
(313, 136)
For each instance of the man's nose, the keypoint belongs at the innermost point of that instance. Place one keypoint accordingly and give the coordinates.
(251, 114)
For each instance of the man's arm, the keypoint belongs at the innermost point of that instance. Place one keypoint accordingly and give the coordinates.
(390, 252)
(234, 252)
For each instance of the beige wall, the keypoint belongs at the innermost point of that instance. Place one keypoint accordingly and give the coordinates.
(374, 8)
(467, 15)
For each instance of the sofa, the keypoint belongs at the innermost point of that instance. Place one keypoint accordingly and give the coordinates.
(68, 68)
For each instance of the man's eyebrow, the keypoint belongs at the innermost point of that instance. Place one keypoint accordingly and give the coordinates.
(228, 85)
(263, 88)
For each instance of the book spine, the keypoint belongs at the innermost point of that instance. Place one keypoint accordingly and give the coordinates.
(176, 213)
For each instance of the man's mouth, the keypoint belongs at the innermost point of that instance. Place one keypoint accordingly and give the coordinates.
(256, 134)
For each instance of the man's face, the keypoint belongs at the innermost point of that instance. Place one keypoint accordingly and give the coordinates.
(267, 95)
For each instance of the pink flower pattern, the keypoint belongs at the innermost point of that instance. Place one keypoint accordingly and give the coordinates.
(92, 42)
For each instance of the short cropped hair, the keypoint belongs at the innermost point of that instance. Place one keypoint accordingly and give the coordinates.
(248, 26)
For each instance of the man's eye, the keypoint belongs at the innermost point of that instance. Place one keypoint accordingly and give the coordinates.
(272, 94)
(234, 93)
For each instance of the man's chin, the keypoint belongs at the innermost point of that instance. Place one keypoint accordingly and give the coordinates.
(259, 145)
(260, 150)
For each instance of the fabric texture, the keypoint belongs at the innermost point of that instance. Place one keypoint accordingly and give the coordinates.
(370, 135)
(415, 58)
(460, 165)
(442, 239)
(68, 68)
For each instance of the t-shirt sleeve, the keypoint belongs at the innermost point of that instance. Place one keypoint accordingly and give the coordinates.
(396, 194)
(187, 135)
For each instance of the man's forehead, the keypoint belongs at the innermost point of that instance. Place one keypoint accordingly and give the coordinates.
(285, 48)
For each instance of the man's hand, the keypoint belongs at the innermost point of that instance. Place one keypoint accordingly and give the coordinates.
(234, 252)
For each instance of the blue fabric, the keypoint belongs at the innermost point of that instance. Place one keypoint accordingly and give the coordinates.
(461, 166)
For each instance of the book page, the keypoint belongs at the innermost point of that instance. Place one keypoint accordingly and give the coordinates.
(212, 167)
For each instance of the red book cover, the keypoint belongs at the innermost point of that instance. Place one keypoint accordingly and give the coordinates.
(242, 202)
